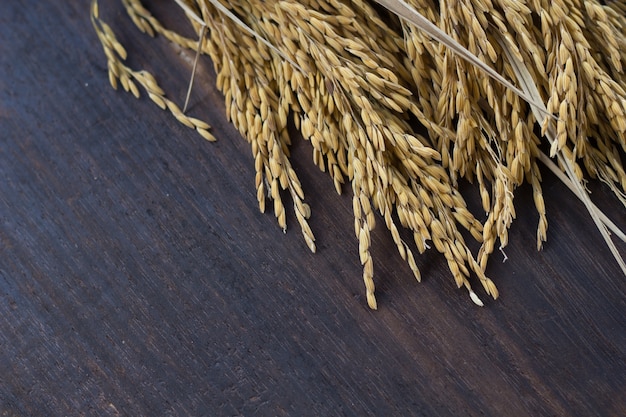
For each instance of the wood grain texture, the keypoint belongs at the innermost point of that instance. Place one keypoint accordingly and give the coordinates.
(138, 278)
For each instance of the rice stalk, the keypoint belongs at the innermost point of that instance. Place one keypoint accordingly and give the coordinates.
(487, 80)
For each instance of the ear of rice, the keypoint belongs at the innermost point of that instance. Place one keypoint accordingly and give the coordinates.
(478, 76)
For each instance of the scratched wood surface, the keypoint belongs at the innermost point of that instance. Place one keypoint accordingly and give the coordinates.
(138, 278)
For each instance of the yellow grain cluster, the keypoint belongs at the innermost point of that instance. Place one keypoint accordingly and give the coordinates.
(361, 84)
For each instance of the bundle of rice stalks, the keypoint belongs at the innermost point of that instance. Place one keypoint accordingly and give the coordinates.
(404, 99)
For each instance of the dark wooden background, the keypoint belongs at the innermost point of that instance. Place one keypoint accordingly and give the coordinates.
(138, 278)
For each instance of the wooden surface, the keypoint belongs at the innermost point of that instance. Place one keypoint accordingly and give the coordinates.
(138, 278)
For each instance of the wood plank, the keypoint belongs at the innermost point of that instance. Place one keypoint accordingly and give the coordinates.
(137, 276)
